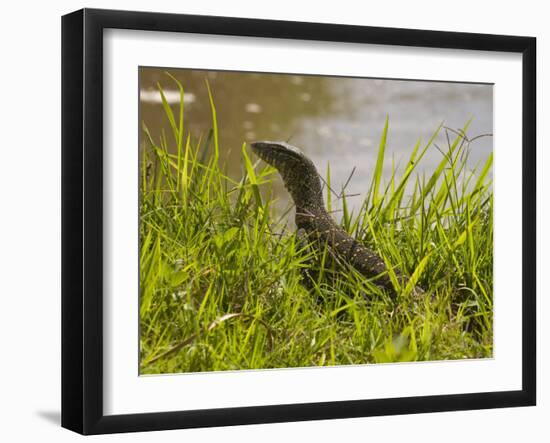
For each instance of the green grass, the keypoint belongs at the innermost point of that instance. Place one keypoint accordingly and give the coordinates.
(220, 275)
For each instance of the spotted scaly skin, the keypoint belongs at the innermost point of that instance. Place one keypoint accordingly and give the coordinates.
(303, 182)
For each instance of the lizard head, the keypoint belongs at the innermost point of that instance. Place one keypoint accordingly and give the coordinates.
(280, 155)
(297, 171)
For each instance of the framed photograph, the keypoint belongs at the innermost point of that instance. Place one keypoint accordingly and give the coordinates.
(269, 221)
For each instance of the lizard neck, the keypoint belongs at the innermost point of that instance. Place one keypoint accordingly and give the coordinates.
(304, 186)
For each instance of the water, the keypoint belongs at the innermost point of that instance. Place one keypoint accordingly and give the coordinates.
(334, 120)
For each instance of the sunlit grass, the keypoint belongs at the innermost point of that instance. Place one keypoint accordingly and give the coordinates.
(221, 278)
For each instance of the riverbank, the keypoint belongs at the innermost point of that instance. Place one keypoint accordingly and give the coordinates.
(221, 275)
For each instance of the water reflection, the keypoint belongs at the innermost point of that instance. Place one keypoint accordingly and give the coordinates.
(334, 120)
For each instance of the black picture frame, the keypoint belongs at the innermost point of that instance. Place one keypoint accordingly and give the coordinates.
(82, 218)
